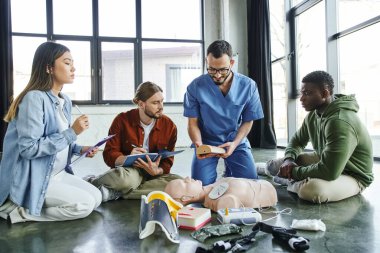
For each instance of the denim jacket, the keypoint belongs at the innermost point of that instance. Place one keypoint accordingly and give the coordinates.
(30, 146)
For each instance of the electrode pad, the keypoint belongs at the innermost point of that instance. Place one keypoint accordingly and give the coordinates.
(218, 190)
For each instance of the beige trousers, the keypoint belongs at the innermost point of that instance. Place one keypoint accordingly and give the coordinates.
(318, 190)
(133, 182)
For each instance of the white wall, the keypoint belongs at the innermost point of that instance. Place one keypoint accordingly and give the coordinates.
(102, 116)
(225, 19)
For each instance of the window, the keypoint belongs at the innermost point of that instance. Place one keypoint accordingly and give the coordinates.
(26, 21)
(81, 88)
(352, 12)
(117, 18)
(280, 91)
(182, 74)
(72, 17)
(159, 59)
(118, 76)
(310, 47)
(176, 19)
(23, 52)
(359, 71)
(116, 44)
(280, 102)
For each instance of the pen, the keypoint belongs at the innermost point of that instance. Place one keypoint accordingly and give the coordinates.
(133, 145)
(76, 106)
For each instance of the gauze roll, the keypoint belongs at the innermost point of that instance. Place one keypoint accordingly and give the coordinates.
(314, 225)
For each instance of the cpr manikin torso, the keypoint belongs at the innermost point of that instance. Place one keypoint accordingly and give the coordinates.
(242, 193)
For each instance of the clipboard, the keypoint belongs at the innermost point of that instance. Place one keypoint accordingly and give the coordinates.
(100, 143)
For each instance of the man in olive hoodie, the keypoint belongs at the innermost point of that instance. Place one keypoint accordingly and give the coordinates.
(341, 164)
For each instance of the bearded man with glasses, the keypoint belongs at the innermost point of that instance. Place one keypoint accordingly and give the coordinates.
(221, 107)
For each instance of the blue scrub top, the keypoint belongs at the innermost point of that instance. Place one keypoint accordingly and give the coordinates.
(220, 116)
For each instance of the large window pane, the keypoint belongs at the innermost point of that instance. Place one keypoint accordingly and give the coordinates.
(72, 17)
(280, 102)
(311, 47)
(171, 19)
(28, 16)
(103, 43)
(81, 88)
(117, 18)
(172, 66)
(353, 12)
(295, 2)
(359, 75)
(277, 28)
(118, 71)
(23, 53)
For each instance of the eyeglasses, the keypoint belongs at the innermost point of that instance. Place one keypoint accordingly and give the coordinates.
(223, 71)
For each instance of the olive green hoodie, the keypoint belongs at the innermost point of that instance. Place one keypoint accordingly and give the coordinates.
(339, 138)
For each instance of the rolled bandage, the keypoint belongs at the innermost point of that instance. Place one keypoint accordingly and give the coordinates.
(311, 224)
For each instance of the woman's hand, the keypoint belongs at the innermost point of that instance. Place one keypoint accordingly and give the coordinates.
(92, 153)
(80, 124)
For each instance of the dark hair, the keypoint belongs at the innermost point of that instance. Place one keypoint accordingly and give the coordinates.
(145, 91)
(218, 48)
(41, 78)
(320, 78)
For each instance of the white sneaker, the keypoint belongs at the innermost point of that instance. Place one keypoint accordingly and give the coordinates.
(89, 178)
(273, 166)
(7, 208)
(281, 181)
(109, 194)
(262, 169)
(16, 215)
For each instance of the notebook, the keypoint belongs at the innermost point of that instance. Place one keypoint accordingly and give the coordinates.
(130, 159)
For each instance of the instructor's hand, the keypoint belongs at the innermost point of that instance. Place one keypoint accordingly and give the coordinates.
(231, 146)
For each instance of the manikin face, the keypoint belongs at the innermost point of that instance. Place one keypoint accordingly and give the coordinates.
(63, 69)
(219, 68)
(184, 190)
(154, 106)
(312, 97)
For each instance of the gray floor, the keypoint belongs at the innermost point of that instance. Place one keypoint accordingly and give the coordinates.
(353, 225)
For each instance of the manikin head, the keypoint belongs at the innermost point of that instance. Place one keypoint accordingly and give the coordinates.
(185, 191)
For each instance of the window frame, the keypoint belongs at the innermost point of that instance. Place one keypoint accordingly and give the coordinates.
(96, 51)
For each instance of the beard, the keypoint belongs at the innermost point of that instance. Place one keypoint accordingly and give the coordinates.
(153, 115)
(222, 81)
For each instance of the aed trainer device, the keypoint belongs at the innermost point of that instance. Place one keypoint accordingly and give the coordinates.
(238, 216)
